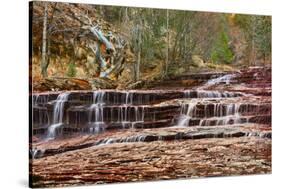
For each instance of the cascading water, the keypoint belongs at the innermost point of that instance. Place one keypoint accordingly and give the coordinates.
(124, 113)
(97, 107)
(132, 109)
(139, 115)
(224, 79)
(57, 114)
(150, 110)
(35, 99)
(223, 113)
(187, 113)
(129, 114)
(210, 113)
(200, 93)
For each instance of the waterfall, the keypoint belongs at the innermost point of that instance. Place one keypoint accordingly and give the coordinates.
(58, 108)
(139, 115)
(201, 93)
(186, 115)
(221, 114)
(132, 115)
(97, 107)
(224, 79)
(124, 114)
(35, 99)
(129, 139)
(57, 114)
(129, 98)
(127, 108)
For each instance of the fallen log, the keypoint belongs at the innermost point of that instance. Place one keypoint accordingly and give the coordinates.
(61, 83)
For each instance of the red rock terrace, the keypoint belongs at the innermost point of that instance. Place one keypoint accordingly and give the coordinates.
(220, 128)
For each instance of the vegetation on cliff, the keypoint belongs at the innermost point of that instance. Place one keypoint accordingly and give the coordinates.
(123, 46)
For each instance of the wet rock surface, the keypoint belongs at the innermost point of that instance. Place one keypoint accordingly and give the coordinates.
(127, 162)
(219, 126)
(61, 145)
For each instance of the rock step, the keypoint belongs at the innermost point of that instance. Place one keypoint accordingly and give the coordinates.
(227, 120)
(220, 109)
(161, 123)
(67, 129)
(81, 115)
(187, 80)
(191, 133)
(140, 97)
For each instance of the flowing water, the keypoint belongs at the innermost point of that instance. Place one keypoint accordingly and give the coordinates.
(223, 79)
(57, 115)
(97, 108)
(187, 113)
(102, 110)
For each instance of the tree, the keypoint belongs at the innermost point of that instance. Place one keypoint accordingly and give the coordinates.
(44, 63)
(257, 30)
(137, 47)
(263, 36)
(222, 52)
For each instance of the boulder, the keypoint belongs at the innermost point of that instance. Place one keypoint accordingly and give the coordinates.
(197, 61)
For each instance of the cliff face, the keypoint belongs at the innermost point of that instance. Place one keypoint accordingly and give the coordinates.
(79, 43)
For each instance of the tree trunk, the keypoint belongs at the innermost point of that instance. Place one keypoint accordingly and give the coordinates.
(126, 15)
(168, 43)
(139, 55)
(253, 50)
(44, 64)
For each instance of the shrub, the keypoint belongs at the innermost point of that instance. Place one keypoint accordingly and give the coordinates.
(71, 71)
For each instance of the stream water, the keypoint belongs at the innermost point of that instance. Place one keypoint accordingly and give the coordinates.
(105, 110)
(58, 113)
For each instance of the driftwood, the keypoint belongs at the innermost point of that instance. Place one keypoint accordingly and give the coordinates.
(61, 83)
(102, 83)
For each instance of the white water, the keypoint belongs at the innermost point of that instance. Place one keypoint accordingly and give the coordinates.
(222, 114)
(138, 138)
(224, 79)
(201, 93)
(124, 113)
(126, 109)
(35, 99)
(35, 153)
(97, 108)
(57, 115)
(186, 115)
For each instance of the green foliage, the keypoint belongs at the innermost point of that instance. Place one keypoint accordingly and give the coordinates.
(222, 52)
(257, 30)
(244, 22)
(263, 35)
(71, 71)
